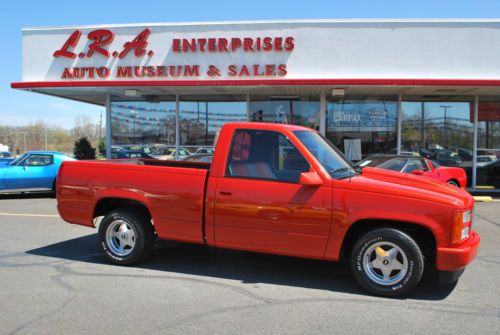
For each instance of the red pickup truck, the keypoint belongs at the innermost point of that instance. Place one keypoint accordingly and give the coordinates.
(279, 189)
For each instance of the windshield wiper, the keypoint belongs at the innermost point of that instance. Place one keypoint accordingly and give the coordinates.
(344, 169)
(340, 170)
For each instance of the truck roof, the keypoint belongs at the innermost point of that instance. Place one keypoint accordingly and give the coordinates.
(266, 126)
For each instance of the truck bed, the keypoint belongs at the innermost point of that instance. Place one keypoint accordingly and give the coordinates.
(172, 191)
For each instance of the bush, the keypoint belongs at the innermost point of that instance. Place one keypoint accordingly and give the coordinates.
(102, 147)
(83, 149)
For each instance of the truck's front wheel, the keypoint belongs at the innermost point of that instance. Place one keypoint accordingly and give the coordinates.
(125, 237)
(387, 262)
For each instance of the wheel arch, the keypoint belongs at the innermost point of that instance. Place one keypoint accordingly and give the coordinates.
(107, 204)
(421, 234)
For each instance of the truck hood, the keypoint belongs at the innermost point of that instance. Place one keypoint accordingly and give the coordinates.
(410, 186)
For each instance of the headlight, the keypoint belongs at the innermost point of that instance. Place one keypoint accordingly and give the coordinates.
(467, 216)
(465, 233)
(462, 221)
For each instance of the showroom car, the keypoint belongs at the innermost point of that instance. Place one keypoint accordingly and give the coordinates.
(418, 166)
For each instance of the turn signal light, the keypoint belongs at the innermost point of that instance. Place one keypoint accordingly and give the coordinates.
(462, 221)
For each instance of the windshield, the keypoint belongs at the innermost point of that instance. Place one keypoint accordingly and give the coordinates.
(18, 159)
(326, 153)
(395, 164)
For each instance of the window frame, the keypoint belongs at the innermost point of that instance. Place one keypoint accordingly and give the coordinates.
(229, 156)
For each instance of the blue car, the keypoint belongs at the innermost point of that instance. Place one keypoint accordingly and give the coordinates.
(33, 171)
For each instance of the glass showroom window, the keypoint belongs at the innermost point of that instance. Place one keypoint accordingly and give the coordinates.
(290, 111)
(141, 126)
(362, 127)
(200, 121)
(488, 147)
(440, 131)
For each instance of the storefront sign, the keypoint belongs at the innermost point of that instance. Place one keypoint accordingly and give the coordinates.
(329, 52)
(99, 44)
(362, 116)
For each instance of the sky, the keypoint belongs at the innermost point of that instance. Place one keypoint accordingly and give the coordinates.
(21, 108)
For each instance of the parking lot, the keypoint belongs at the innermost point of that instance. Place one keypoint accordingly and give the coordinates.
(55, 281)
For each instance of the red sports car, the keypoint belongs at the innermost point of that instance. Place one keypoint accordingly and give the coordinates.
(419, 166)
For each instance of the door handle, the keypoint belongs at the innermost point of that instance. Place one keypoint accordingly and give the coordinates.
(226, 193)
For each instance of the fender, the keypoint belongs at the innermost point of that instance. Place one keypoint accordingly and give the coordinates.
(342, 224)
(125, 194)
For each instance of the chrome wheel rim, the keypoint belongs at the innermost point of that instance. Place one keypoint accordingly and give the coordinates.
(385, 263)
(120, 238)
(452, 183)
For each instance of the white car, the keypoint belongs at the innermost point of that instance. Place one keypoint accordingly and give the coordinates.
(168, 153)
(205, 151)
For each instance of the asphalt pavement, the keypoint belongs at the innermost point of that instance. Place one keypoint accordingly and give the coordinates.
(53, 280)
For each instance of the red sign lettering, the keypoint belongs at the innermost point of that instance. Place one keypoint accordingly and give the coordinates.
(138, 44)
(70, 43)
(101, 38)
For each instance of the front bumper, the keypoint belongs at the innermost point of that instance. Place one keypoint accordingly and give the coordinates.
(456, 258)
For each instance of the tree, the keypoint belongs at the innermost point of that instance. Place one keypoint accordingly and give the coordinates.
(85, 127)
(83, 149)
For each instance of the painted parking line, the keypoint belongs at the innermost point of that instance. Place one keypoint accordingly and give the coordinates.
(31, 215)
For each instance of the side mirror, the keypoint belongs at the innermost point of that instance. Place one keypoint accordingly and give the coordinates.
(310, 179)
(417, 172)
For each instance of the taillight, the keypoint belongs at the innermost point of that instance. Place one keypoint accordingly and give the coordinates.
(462, 221)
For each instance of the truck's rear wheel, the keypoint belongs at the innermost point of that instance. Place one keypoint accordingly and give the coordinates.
(125, 236)
(387, 262)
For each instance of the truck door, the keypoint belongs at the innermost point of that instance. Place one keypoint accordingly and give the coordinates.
(260, 205)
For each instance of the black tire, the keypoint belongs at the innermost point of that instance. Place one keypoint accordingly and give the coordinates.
(53, 193)
(394, 269)
(453, 183)
(133, 229)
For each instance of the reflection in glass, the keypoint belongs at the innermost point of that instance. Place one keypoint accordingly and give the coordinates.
(435, 126)
(488, 152)
(150, 127)
(200, 121)
(142, 122)
(441, 131)
(287, 111)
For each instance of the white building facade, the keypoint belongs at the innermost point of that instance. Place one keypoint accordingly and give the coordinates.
(396, 85)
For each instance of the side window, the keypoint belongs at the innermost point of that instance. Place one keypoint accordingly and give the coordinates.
(291, 163)
(414, 165)
(39, 160)
(264, 155)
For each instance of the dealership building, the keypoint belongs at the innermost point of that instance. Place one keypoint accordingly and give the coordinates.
(370, 86)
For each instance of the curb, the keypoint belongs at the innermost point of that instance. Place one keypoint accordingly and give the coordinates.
(478, 198)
